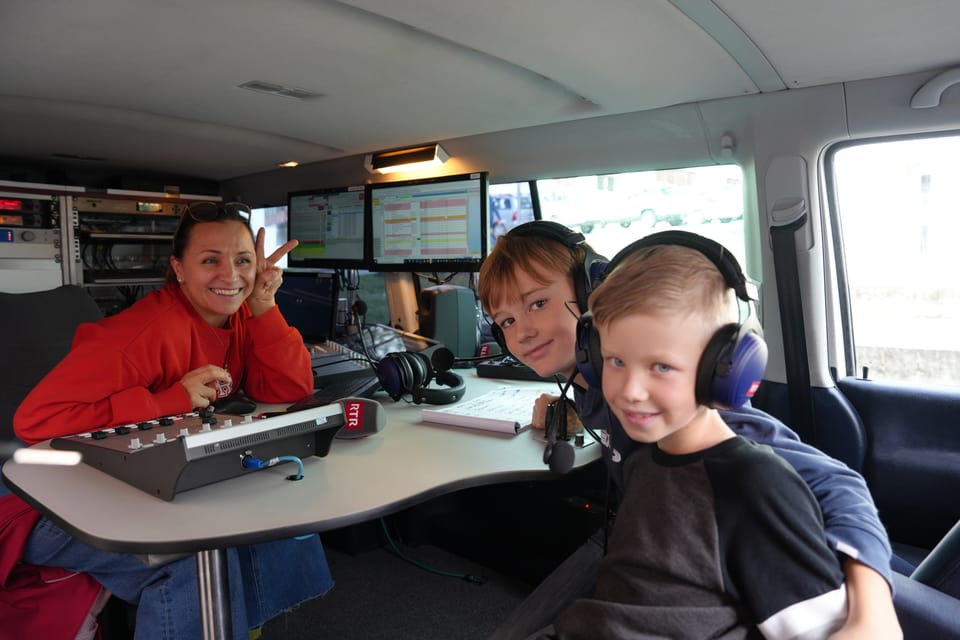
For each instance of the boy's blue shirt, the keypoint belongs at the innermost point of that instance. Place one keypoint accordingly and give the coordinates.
(852, 525)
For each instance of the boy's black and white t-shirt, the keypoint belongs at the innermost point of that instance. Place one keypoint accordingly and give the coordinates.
(723, 543)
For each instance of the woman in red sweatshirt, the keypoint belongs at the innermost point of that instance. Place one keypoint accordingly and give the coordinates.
(213, 329)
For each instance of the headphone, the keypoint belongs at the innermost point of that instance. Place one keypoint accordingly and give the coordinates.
(584, 271)
(735, 357)
(409, 372)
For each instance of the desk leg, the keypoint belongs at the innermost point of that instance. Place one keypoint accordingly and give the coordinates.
(214, 587)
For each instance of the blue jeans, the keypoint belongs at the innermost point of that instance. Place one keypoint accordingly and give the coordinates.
(265, 580)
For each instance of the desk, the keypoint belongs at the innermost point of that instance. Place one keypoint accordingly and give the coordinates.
(409, 462)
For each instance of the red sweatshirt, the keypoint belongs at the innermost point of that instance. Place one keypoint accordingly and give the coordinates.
(126, 368)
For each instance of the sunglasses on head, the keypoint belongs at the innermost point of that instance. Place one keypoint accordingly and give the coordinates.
(211, 211)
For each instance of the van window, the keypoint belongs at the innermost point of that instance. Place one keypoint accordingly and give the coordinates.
(616, 209)
(510, 204)
(898, 203)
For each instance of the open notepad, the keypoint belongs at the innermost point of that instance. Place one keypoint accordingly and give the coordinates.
(506, 409)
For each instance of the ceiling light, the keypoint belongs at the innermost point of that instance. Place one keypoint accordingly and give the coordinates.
(409, 159)
(289, 164)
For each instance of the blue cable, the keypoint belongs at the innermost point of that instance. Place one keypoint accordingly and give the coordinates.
(250, 462)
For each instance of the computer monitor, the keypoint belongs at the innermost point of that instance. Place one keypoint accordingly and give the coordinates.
(329, 225)
(431, 224)
(308, 302)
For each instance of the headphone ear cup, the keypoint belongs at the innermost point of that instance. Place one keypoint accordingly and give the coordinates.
(421, 375)
(731, 367)
(589, 361)
(395, 374)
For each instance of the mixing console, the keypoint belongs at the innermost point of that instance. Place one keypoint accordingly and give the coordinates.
(176, 453)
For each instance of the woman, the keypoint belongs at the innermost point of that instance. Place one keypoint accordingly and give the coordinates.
(213, 329)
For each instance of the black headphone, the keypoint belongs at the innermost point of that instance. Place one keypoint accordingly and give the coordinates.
(409, 372)
(734, 359)
(583, 272)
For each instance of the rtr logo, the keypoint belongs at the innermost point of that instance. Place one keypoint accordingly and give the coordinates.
(353, 414)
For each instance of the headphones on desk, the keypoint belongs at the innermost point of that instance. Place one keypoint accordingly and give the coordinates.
(584, 272)
(410, 372)
(735, 357)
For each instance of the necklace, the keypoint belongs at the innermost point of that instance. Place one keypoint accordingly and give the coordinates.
(224, 388)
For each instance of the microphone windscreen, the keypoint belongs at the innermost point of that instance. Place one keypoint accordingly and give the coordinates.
(562, 457)
(489, 350)
(442, 359)
(362, 417)
(360, 307)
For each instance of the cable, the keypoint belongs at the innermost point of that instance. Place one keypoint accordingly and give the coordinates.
(248, 461)
(478, 580)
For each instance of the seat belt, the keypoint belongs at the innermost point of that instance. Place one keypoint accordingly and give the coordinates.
(791, 323)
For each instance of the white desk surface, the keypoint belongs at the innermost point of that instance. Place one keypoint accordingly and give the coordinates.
(408, 462)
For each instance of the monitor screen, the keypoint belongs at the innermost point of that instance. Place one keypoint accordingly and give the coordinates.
(308, 301)
(330, 227)
(437, 224)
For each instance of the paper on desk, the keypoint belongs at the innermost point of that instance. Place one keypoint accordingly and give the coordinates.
(506, 409)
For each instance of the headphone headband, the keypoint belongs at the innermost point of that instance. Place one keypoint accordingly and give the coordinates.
(725, 261)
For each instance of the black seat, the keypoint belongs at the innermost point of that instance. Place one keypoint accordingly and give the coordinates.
(39, 328)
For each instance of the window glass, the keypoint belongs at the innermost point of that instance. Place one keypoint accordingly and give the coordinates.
(274, 222)
(616, 209)
(899, 208)
(510, 205)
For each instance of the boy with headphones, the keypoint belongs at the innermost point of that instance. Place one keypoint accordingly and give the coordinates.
(724, 554)
(533, 286)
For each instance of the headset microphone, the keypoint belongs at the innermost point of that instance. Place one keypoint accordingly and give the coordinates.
(558, 454)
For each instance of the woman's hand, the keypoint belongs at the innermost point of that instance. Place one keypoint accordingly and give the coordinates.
(202, 384)
(269, 276)
(539, 419)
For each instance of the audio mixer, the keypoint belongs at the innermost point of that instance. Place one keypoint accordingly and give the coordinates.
(175, 453)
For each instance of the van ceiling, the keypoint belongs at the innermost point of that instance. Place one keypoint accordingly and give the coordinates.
(152, 85)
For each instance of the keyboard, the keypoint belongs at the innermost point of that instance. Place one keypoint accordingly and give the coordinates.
(510, 369)
(335, 390)
(332, 361)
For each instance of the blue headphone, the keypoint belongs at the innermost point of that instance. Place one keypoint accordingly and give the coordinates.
(733, 362)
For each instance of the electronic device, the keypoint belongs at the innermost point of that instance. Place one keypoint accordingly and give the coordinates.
(333, 362)
(509, 368)
(450, 315)
(175, 453)
(308, 301)
(329, 225)
(430, 224)
(734, 359)
(410, 373)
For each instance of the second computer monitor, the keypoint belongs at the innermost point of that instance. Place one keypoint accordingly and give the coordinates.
(329, 224)
(431, 224)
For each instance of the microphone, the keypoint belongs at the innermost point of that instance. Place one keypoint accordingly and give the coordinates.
(443, 359)
(559, 454)
(362, 417)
